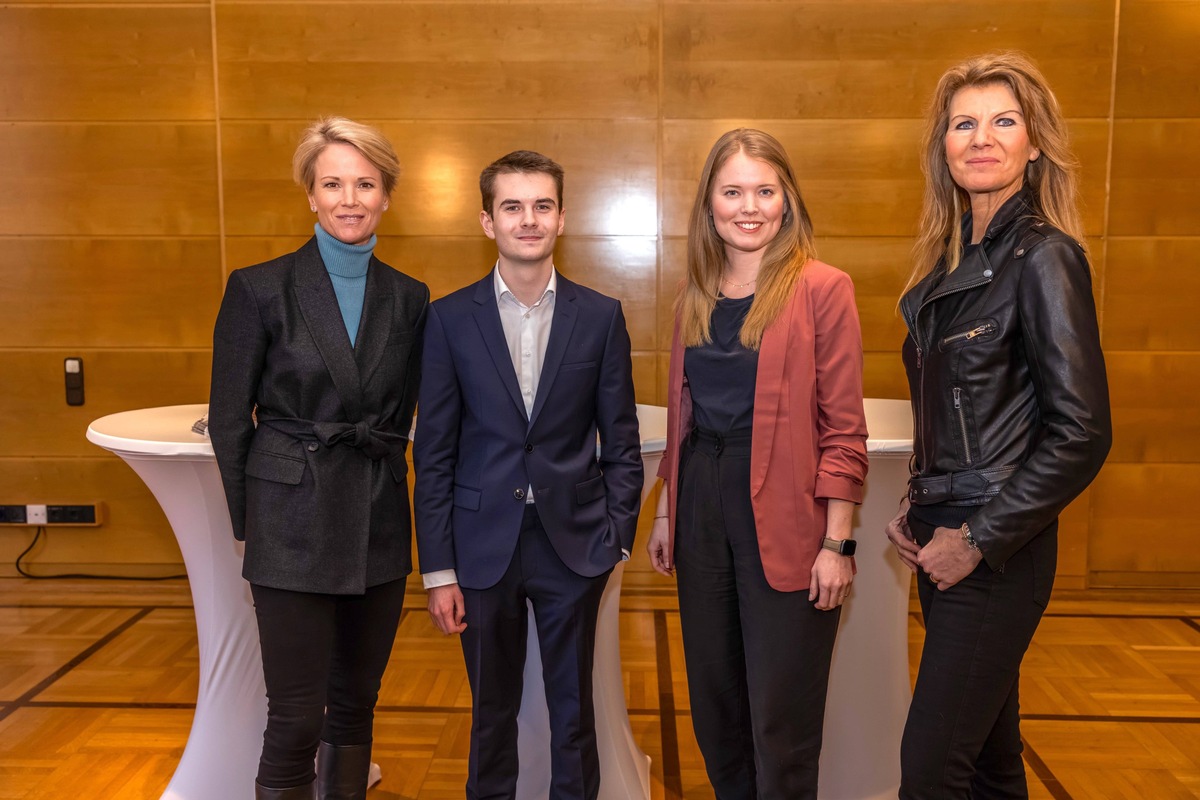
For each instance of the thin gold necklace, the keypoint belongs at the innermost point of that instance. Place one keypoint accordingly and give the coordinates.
(738, 285)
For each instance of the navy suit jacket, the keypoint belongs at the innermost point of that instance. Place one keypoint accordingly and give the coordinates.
(476, 451)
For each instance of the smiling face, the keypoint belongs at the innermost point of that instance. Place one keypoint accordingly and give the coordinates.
(747, 203)
(347, 194)
(525, 219)
(987, 143)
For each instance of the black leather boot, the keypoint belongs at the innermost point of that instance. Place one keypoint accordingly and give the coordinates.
(305, 792)
(342, 771)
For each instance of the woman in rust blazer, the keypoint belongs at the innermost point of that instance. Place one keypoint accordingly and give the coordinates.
(765, 460)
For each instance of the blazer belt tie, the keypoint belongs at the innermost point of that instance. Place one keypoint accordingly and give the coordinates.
(375, 443)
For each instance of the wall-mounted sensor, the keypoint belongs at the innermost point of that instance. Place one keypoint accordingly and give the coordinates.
(73, 372)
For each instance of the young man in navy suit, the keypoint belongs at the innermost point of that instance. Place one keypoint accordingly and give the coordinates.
(522, 370)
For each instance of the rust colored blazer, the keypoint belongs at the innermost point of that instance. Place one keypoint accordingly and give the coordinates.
(810, 431)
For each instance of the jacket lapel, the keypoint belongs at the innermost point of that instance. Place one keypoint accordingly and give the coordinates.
(487, 317)
(768, 388)
(376, 324)
(319, 307)
(561, 327)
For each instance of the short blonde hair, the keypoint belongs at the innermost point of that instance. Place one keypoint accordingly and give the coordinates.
(373, 145)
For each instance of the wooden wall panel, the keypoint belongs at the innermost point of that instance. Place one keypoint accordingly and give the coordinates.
(883, 375)
(34, 415)
(875, 59)
(153, 179)
(431, 61)
(1153, 183)
(1074, 531)
(1141, 521)
(1154, 400)
(53, 298)
(108, 64)
(671, 271)
(438, 193)
(1151, 289)
(1157, 75)
(645, 376)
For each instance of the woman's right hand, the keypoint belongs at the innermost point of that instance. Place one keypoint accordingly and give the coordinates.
(897, 530)
(660, 548)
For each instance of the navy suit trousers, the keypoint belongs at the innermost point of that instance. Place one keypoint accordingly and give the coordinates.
(565, 607)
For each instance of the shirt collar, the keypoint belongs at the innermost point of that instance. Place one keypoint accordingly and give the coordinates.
(502, 287)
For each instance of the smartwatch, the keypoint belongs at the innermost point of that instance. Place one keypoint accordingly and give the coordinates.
(843, 547)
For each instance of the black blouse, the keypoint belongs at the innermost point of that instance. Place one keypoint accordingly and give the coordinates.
(722, 373)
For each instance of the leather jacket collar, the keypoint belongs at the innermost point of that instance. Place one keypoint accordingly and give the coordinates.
(975, 269)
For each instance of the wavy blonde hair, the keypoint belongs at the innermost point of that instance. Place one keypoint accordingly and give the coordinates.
(782, 261)
(1052, 179)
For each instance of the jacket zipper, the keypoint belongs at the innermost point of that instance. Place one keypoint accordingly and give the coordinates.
(962, 423)
(968, 335)
(911, 321)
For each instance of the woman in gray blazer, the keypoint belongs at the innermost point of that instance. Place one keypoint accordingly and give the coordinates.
(322, 347)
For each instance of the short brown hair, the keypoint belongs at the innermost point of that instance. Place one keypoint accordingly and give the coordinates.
(518, 161)
(373, 145)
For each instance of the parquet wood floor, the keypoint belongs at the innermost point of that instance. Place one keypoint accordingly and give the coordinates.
(98, 680)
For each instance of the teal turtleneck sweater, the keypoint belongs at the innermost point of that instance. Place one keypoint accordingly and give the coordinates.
(347, 267)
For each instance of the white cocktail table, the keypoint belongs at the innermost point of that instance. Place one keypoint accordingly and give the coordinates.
(221, 756)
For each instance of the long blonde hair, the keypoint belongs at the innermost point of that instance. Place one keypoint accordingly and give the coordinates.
(783, 258)
(1052, 179)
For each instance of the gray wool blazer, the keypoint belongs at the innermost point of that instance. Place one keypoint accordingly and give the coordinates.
(318, 489)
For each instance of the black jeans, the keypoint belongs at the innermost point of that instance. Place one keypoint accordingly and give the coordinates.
(757, 659)
(323, 660)
(963, 738)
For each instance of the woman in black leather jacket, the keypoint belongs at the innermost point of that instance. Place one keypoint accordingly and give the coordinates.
(1011, 413)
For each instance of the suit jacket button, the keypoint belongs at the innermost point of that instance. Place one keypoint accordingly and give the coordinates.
(312, 447)
(519, 494)
(528, 448)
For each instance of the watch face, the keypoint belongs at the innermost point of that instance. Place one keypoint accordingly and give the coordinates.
(843, 547)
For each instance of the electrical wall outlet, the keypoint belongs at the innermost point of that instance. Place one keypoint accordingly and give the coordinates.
(88, 515)
(12, 515)
(72, 515)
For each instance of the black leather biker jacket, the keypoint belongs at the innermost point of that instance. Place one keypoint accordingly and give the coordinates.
(1009, 391)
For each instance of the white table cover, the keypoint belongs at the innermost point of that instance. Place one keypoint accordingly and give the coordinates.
(868, 692)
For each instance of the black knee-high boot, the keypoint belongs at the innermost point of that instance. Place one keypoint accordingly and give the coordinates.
(342, 771)
(306, 792)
